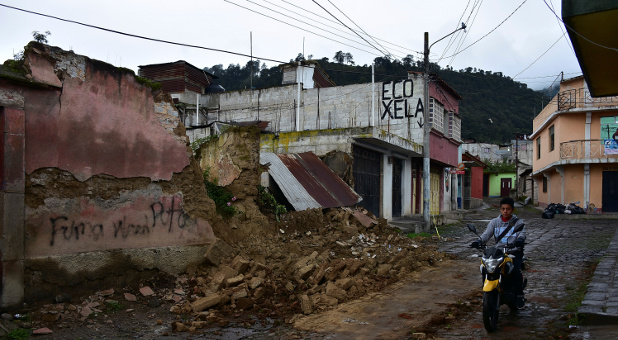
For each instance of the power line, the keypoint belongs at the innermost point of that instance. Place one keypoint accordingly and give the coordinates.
(321, 23)
(451, 39)
(283, 22)
(349, 27)
(488, 33)
(565, 38)
(537, 59)
(306, 23)
(387, 52)
(138, 36)
(338, 23)
(579, 34)
(463, 37)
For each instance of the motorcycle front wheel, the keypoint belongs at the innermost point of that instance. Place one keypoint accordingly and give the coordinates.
(490, 310)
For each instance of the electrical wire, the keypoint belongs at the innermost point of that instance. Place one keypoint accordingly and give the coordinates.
(321, 23)
(338, 23)
(283, 22)
(561, 30)
(387, 52)
(488, 33)
(477, 5)
(537, 59)
(306, 23)
(138, 36)
(579, 34)
(383, 53)
(451, 39)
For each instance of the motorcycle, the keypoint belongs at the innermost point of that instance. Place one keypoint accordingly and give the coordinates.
(498, 285)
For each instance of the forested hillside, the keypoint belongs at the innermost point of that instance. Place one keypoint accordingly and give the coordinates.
(493, 109)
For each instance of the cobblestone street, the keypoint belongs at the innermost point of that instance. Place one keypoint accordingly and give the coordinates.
(561, 257)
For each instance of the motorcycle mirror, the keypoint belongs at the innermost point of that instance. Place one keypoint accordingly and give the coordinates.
(471, 227)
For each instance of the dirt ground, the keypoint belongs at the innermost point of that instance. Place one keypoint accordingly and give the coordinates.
(309, 263)
(332, 274)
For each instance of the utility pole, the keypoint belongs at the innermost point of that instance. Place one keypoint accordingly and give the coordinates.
(426, 133)
(516, 166)
(427, 129)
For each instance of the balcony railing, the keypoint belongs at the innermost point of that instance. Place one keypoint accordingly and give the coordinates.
(584, 149)
(579, 98)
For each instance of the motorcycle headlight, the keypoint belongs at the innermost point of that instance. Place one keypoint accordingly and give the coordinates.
(491, 264)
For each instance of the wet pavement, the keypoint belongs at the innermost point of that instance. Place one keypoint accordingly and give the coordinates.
(561, 257)
(572, 290)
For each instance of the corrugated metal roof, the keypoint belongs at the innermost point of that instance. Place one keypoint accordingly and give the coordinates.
(307, 182)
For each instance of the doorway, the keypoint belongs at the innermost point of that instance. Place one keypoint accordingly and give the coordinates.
(505, 187)
(610, 191)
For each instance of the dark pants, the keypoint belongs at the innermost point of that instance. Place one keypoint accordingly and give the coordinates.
(518, 278)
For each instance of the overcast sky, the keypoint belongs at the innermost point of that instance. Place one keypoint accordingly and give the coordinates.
(519, 47)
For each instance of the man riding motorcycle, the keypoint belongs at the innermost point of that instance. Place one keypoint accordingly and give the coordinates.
(503, 227)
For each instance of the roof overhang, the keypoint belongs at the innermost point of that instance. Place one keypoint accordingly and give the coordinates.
(592, 28)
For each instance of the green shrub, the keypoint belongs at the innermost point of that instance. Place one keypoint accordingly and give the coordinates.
(222, 197)
(18, 334)
(268, 203)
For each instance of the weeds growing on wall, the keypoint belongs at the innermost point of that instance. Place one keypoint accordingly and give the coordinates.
(222, 197)
(200, 141)
(268, 203)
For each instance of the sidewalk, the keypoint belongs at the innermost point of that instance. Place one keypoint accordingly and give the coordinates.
(600, 305)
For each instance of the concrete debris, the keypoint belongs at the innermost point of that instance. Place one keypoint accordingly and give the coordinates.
(322, 259)
(130, 297)
(146, 291)
(42, 331)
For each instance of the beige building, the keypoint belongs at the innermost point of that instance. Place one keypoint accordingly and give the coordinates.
(575, 156)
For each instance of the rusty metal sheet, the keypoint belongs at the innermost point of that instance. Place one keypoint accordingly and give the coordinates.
(291, 188)
(314, 178)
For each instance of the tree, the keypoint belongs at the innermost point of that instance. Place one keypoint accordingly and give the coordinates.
(339, 57)
(349, 58)
(408, 60)
(41, 37)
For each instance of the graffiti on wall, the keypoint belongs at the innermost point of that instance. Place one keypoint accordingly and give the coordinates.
(169, 216)
(165, 213)
(397, 102)
(134, 220)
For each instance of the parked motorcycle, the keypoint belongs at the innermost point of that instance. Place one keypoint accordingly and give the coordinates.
(498, 286)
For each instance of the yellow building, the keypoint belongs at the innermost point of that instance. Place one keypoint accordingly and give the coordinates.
(575, 155)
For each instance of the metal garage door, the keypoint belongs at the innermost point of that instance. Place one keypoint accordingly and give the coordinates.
(367, 178)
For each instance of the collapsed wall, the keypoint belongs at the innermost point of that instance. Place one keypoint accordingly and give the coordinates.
(108, 184)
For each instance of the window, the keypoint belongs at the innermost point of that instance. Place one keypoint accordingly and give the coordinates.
(437, 115)
(538, 148)
(551, 138)
(454, 126)
(544, 184)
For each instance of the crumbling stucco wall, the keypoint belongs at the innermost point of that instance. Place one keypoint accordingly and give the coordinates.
(232, 161)
(108, 175)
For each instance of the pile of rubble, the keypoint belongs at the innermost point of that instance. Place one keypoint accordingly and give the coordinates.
(308, 262)
(302, 270)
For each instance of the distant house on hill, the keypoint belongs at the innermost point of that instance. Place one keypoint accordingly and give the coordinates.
(186, 84)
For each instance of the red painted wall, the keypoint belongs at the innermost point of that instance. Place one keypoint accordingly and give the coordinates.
(103, 124)
(95, 119)
(476, 185)
(443, 149)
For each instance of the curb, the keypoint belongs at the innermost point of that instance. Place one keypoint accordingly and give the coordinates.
(600, 304)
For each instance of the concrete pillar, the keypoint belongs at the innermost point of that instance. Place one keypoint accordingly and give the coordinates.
(406, 192)
(387, 188)
(12, 211)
